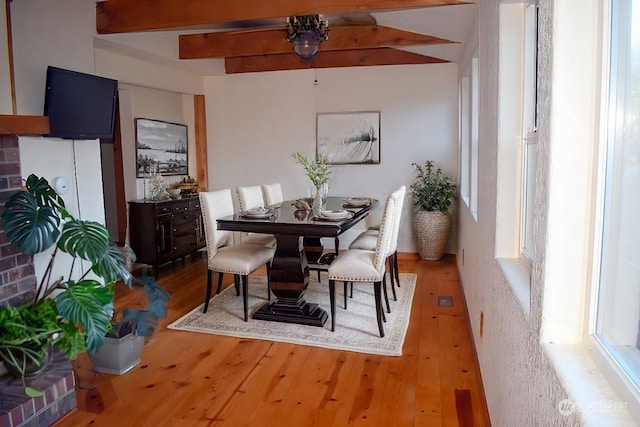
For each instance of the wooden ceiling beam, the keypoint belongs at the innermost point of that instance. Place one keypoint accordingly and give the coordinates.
(121, 16)
(23, 125)
(273, 41)
(330, 59)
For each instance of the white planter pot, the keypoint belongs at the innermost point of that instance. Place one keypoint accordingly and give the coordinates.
(432, 231)
(118, 355)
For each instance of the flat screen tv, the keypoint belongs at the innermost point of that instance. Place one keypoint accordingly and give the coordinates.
(79, 105)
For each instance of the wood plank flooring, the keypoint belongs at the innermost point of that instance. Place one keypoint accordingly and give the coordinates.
(193, 379)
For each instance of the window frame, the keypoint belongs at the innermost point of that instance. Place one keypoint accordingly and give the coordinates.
(611, 368)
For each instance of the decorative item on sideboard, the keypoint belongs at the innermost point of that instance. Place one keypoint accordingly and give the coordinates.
(187, 186)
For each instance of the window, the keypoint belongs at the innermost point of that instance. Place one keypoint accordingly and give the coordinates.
(474, 134)
(465, 136)
(517, 145)
(529, 127)
(615, 322)
(469, 117)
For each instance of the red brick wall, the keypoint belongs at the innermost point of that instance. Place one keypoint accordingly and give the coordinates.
(17, 276)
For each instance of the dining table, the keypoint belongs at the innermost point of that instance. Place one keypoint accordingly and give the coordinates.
(294, 228)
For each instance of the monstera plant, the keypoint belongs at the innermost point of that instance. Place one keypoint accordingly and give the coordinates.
(72, 314)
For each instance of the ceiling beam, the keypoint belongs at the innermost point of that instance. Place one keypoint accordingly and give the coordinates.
(273, 41)
(23, 125)
(121, 16)
(330, 59)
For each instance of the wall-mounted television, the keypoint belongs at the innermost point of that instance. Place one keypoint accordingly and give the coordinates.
(79, 105)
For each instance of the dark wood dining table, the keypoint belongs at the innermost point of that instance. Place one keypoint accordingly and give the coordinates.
(290, 269)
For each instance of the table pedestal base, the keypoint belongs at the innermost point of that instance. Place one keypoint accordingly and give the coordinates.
(292, 311)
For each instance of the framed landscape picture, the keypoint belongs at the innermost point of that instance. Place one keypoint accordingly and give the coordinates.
(349, 138)
(161, 147)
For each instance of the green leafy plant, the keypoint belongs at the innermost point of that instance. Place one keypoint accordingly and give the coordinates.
(431, 189)
(317, 171)
(142, 322)
(79, 316)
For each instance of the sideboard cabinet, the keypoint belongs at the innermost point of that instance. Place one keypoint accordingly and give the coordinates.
(163, 231)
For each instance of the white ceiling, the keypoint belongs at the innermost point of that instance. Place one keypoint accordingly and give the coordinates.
(447, 22)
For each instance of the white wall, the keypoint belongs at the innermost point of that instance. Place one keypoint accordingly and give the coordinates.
(59, 36)
(141, 102)
(520, 384)
(521, 380)
(44, 35)
(77, 161)
(255, 122)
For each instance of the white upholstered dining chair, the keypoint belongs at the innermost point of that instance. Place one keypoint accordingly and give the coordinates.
(240, 259)
(251, 198)
(360, 265)
(272, 194)
(367, 240)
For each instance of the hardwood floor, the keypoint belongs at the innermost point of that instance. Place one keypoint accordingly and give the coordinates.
(198, 379)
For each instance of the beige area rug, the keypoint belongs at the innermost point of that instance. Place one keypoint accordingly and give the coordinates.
(356, 328)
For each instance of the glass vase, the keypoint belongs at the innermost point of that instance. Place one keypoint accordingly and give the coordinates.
(320, 198)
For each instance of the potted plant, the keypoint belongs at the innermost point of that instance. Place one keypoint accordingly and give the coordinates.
(432, 192)
(124, 342)
(71, 314)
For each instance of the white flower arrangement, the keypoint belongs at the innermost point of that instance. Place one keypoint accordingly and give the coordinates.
(317, 171)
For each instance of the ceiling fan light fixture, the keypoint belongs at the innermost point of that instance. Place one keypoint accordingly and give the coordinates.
(306, 33)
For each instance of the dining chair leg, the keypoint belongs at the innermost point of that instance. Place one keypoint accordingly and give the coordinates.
(351, 294)
(236, 283)
(208, 293)
(319, 276)
(332, 301)
(220, 276)
(345, 285)
(269, 281)
(379, 312)
(245, 296)
(395, 267)
(384, 289)
(391, 276)
(336, 243)
(390, 265)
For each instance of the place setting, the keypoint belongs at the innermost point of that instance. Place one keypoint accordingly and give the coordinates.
(333, 215)
(257, 213)
(356, 202)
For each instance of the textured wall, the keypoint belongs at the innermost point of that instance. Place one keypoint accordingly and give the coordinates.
(520, 385)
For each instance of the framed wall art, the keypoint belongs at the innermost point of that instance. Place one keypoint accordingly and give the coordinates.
(161, 147)
(349, 138)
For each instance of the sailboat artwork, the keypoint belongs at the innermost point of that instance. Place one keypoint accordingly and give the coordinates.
(161, 147)
(349, 138)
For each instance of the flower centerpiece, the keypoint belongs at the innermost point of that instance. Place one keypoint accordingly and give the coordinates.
(319, 173)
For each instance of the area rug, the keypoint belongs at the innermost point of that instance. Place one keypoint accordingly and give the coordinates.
(356, 327)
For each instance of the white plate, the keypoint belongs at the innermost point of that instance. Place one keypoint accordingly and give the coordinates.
(257, 213)
(357, 201)
(337, 214)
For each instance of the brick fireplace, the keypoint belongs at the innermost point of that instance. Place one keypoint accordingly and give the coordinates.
(17, 285)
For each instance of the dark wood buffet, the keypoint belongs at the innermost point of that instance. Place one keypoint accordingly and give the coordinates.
(165, 230)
